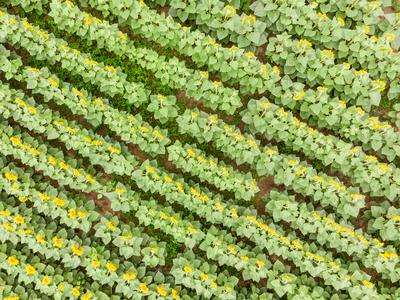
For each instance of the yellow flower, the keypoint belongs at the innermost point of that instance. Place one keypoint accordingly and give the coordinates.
(72, 213)
(260, 263)
(356, 196)
(249, 20)
(59, 202)
(24, 231)
(161, 290)
(229, 11)
(13, 261)
(15, 140)
(213, 284)
(175, 294)
(249, 54)
(11, 177)
(371, 158)
(5, 213)
(384, 167)
(396, 218)
(204, 74)
(82, 214)
(12, 298)
(187, 269)
(327, 54)
(388, 255)
(303, 44)
(322, 89)
(52, 160)
(77, 250)
(76, 172)
(389, 37)
(46, 280)
(57, 242)
(111, 267)
(129, 276)
(323, 16)
(76, 292)
(341, 22)
(144, 288)
(365, 29)
(19, 220)
(53, 82)
(30, 270)
(276, 70)
(122, 35)
(381, 85)
(87, 296)
(111, 226)
(88, 21)
(368, 284)
(43, 196)
(204, 276)
(95, 263)
(40, 239)
(342, 104)
(298, 95)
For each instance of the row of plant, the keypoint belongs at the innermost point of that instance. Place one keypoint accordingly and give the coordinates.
(30, 271)
(231, 63)
(316, 108)
(22, 226)
(107, 230)
(192, 197)
(286, 169)
(172, 72)
(370, 131)
(357, 46)
(300, 59)
(374, 177)
(360, 12)
(300, 19)
(131, 130)
(317, 225)
(82, 16)
(188, 235)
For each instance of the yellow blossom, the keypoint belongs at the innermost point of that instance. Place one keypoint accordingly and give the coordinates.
(19, 220)
(144, 288)
(111, 226)
(95, 263)
(5, 213)
(341, 22)
(59, 202)
(249, 20)
(57, 242)
(87, 296)
(276, 70)
(368, 284)
(249, 54)
(229, 11)
(161, 291)
(11, 177)
(76, 292)
(381, 85)
(204, 276)
(327, 54)
(389, 37)
(30, 270)
(298, 95)
(365, 29)
(129, 276)
(187, 269)
(213, 284)
(111, 267)
(46, 280)
(303, 44)
(13, 261)
(77, 250)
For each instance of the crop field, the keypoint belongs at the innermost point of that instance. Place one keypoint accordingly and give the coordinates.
(199, 149)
